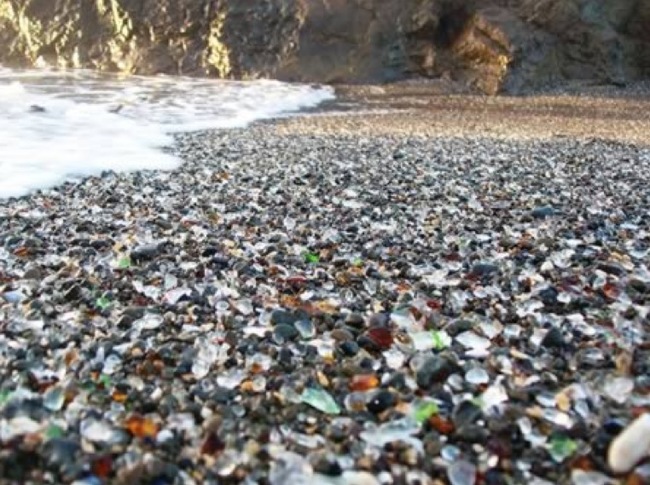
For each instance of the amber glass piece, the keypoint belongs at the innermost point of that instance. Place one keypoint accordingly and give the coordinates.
(635, 479)
(611, 291)
(246, 386)
(119, 396)
(71, 356)
(141, 427)
(363, 382)
(441, 425)
(21, 252)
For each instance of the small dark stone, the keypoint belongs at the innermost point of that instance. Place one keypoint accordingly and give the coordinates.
(338, 434)
(367, 364)
(435, 370)
(432, 444)
(285, 356)
(283, 317)
(379, 320)
(147, 252)
(499, 446)
(163, 223)
(33, 274)
(17, 466)
(125, 322)
(458, 326)
(101, 244)
(638, 286)
(148, 406)
(553, 339)
(579, 431)
(613, 426)
(219, 261)
(327, 467)
(184, 367)
(548, 296)
(349, 348)
(630, 313)
(613, 269)
(398, 381)
(472, 433)
(74, 293)
(168, 472)
(209, 251)
(542, 212)
(382, 401)
(495, 477)
(284, 333)
(484, 269)
(366, 343)
(134, 312)
(466, 413)
(35, 304)
(341, 335)
(59, 451)
(355, 320)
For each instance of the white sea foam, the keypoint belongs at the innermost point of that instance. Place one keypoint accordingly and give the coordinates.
(57, 126)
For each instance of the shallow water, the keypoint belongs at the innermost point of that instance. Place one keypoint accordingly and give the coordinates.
(60, 125)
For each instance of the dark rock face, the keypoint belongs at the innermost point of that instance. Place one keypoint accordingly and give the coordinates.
(491, 45)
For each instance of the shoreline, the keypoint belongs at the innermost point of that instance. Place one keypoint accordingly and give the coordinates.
(439, 110)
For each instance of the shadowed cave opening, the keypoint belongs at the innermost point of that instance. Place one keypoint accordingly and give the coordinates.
(450, 26)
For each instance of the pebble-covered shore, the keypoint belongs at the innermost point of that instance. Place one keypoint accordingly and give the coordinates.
(333, 309)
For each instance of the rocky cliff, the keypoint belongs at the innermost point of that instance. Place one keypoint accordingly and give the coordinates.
(492, 45)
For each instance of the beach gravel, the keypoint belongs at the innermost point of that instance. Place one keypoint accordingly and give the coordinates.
(332, 308)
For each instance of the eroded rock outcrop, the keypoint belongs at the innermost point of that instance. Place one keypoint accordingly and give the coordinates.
(493, 45)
